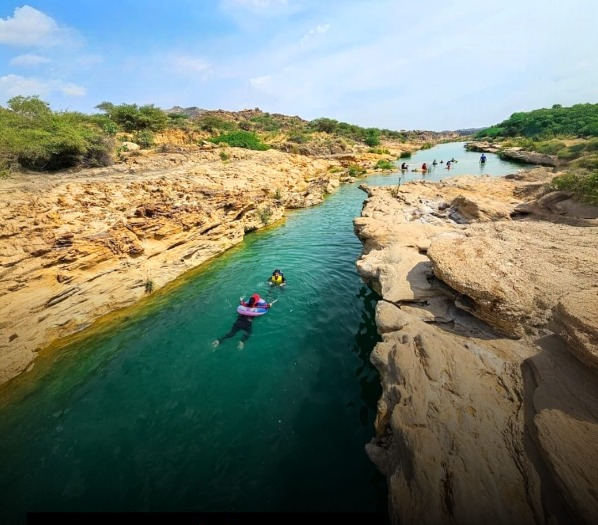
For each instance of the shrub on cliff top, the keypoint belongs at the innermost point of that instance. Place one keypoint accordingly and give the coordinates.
(34, 137)
(131, 117)
(241, 139)
(214, 124)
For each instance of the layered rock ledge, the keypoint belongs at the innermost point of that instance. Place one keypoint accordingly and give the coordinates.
(489, 352)
(76, 246)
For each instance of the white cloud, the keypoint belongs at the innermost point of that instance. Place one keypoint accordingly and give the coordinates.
(260, 82)
(30, 27)
(318, 30)
(188, 64)
(251, 13)
(28, 60)
(15, 85)
(72, 90)
(255, 4)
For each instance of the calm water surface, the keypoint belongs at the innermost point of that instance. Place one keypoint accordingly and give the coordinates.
(467, 163)
(146, 414)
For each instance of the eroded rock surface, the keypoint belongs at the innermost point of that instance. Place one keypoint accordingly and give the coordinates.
(76, 246)
(489, 301)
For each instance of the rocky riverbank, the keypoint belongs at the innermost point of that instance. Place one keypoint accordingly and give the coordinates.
(79, 245)
(489, 353)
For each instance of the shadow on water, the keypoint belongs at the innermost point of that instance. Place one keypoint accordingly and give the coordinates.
(334, 428)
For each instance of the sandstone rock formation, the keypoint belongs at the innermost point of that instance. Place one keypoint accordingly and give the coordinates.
(79, 245)
(516, 154)
(489, 302)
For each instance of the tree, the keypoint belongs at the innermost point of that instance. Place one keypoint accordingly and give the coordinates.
(372, 137)
(29, 107)
(131, 117)
(327, 125)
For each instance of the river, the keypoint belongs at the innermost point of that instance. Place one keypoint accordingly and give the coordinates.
(144, 413)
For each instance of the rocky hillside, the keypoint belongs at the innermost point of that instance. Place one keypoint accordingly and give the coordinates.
(489, 352)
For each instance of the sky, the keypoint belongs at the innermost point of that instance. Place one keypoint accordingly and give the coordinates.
(432, 65)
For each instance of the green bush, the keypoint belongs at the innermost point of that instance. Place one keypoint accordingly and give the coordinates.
(149, 285)
(241, 139)
(355, 170)
(583, 184)
(591, 145)
(144, 138)
(178, 120)
(326, 125)
(266, 122)
(372, 137)
(36, 138)
(379, 151)
(131, 117)
(299, 138)
(579, 120)
(552, 147)
(212, 124)
(589, 162)
(265, 214)
(384, 165)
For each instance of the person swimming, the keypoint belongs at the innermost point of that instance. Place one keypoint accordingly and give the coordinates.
(277, 278)
(242, 323)
(254, 301)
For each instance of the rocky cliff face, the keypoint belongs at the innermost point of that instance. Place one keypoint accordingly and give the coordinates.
(488, 317)
(76, 246)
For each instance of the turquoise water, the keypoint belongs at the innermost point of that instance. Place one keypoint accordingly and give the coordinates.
(148, 415)
(467, 163)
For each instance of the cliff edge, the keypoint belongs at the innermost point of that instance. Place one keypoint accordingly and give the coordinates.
(489, 353)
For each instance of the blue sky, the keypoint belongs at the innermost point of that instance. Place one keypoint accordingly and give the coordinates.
(425, 64)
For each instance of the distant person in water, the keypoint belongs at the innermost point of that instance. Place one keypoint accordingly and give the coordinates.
(424, 167)
(483, 158)
(448, 164)
(434, 163)
(404, 166)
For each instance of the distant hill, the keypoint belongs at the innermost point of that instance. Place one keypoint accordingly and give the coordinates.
(467, 131)
(190, 112)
